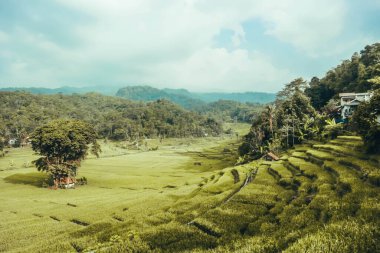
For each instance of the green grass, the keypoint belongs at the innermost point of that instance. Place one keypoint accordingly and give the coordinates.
(281, 170)
(349, 138)
(320, 155)
(340, 150)
(164, 201)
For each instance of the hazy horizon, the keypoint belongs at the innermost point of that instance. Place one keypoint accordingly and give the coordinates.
(114, 88)
(201, 46)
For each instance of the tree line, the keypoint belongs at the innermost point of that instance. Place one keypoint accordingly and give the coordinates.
(111, 117)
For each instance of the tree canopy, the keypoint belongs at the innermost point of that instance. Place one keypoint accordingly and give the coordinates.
(294, 118)
(365, 122)
(358, 74)
(282, 124)
(113, 118)
(63, 144)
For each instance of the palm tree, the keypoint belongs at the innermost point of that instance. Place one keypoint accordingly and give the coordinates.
(270, 113)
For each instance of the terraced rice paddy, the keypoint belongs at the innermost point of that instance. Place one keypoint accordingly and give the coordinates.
(190, 197)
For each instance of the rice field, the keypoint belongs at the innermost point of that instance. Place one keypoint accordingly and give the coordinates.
(188, 196)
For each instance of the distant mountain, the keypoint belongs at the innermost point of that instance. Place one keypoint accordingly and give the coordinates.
(67, 90)
(183, 92)
(190, 99)
(251, 97)
(183, 97)
(147, 93)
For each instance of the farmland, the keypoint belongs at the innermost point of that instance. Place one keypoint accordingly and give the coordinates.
(189, 196)
(125, 187)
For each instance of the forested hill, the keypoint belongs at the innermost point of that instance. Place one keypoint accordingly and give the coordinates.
(309, 110)
(183, 97)
(112, 117)
(147, 93)
(67, 90)
(189, 99)
(358, 74)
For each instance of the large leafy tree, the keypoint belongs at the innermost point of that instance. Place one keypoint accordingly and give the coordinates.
(294, 109)
(319, 93)
(63, 144)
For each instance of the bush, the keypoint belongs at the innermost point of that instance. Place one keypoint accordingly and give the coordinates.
(332, 129)
(372, 139)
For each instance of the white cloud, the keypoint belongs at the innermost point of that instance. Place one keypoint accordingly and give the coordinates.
(171, 42)
(217, 69)
(308, 25)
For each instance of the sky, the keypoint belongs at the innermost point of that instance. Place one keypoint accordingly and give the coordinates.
(200, 45)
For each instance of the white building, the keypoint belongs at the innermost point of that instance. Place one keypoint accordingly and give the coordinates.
(12, 142)
(349, 102)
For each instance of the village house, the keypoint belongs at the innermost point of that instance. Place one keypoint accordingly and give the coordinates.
(12, 141)
(350, 101)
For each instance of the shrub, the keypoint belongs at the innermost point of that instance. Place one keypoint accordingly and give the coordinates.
(332, 129)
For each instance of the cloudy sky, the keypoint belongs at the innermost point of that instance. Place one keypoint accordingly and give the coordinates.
(200, 45)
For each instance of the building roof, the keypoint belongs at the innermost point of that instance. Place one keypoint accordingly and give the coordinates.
(353, 94)
(346, 94)
(273, 156)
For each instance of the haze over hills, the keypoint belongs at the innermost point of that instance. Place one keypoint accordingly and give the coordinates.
(188, 99)
(183, 97)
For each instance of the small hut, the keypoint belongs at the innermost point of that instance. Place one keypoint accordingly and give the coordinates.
(65, 182)
(271, 157)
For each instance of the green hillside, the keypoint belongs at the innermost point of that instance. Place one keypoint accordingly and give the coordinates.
(317, 198)
(243, 97)
(67, 90)
(320, 197)
(192, 100)
(147, 93)
(112, 117)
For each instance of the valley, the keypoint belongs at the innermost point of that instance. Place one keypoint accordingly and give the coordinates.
(189, 195)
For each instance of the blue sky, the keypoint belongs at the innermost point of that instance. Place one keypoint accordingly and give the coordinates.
(200, 45)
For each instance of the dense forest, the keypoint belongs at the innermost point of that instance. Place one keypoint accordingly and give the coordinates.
(112, 117)
(228, 110)
(222, 110)
(307, 110)
(358, 74)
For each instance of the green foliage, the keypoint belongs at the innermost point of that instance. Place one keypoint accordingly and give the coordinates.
(332, 129)
(358, 74)
(372, 139)
(291, 120)
(321, 197)
(229, 111)
(366, 122)
(342, 237)
(148, 94)
(111, 117)
(319, 92)
(190, 100)
(63, 144)
(132, 243)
